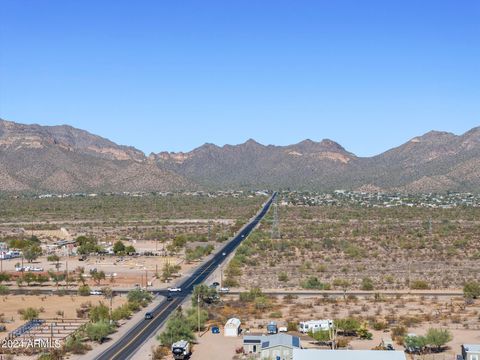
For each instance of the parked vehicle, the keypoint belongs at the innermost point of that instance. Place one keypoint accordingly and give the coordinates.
(224, 290)
(95, 292)
(272, 328)
(282, 329)
(215, 330)
(181, 350)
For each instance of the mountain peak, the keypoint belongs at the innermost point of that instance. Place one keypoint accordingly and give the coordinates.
(310, 146)
(252, 143)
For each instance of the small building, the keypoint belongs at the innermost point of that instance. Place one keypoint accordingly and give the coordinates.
(310, 354)
(232, 327)
(252, 344)
(276, 347)
(471, 352)
(279, 346)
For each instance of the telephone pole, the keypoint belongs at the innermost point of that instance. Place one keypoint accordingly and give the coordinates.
(275, 232)
(198, 310)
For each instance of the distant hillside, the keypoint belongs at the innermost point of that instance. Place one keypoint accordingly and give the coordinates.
(434, 162)
(64, 159)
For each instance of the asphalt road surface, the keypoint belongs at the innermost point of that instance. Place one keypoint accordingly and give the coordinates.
(126, 346)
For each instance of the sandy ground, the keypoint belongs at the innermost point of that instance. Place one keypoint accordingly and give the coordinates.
(224, 347)
(450, 313)
(9, 306)
(119, 272)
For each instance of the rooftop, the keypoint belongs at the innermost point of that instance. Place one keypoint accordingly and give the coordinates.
(299, 354)
(472, 347)
(280, 340)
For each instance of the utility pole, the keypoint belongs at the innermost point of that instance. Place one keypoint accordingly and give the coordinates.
(146, 280)
(66, 268)
(198, 310)
(275, 232)
(111, 303)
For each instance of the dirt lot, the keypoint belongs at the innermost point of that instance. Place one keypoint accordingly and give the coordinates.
(49, 305)
(416, 314)
(335, 247)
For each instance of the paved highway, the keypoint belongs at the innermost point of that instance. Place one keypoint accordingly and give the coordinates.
(126, 346)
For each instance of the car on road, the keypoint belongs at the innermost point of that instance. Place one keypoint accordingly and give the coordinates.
(95, 292)
(169, 297)
(224, 290)
(174, 289)
(224, 254)
(148, 316)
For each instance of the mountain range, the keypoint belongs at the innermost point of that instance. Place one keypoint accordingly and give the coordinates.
(63, 159)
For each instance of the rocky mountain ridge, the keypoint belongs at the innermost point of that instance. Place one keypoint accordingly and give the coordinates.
(65, 159)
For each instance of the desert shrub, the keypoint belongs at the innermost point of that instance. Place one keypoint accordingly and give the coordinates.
(29, 313)
(121, 312)
(75, 345)
(98, 331)
(139, 296)
(367, 284)
(99, 313)
(471, 289)
(419, 285)
(4, 290)
(276, 315)
(313, 283)
(84, 290)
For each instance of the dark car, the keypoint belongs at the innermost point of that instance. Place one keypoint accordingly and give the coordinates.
(148, 316)
(215, 330)
(169, 298)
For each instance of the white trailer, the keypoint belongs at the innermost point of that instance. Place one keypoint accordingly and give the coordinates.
(315, 325)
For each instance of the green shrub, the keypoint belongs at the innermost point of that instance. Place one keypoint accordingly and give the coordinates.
(419, 285)
(471, 290)
(98, 331)
(101, 312)
(313, 283)
(29, 313)
(84, 290)
(367, 284)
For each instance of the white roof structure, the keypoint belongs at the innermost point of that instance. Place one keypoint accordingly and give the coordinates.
(233, 323)
(299, 354)
(472, 347)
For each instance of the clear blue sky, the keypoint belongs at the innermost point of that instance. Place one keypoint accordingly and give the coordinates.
(172, 75)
